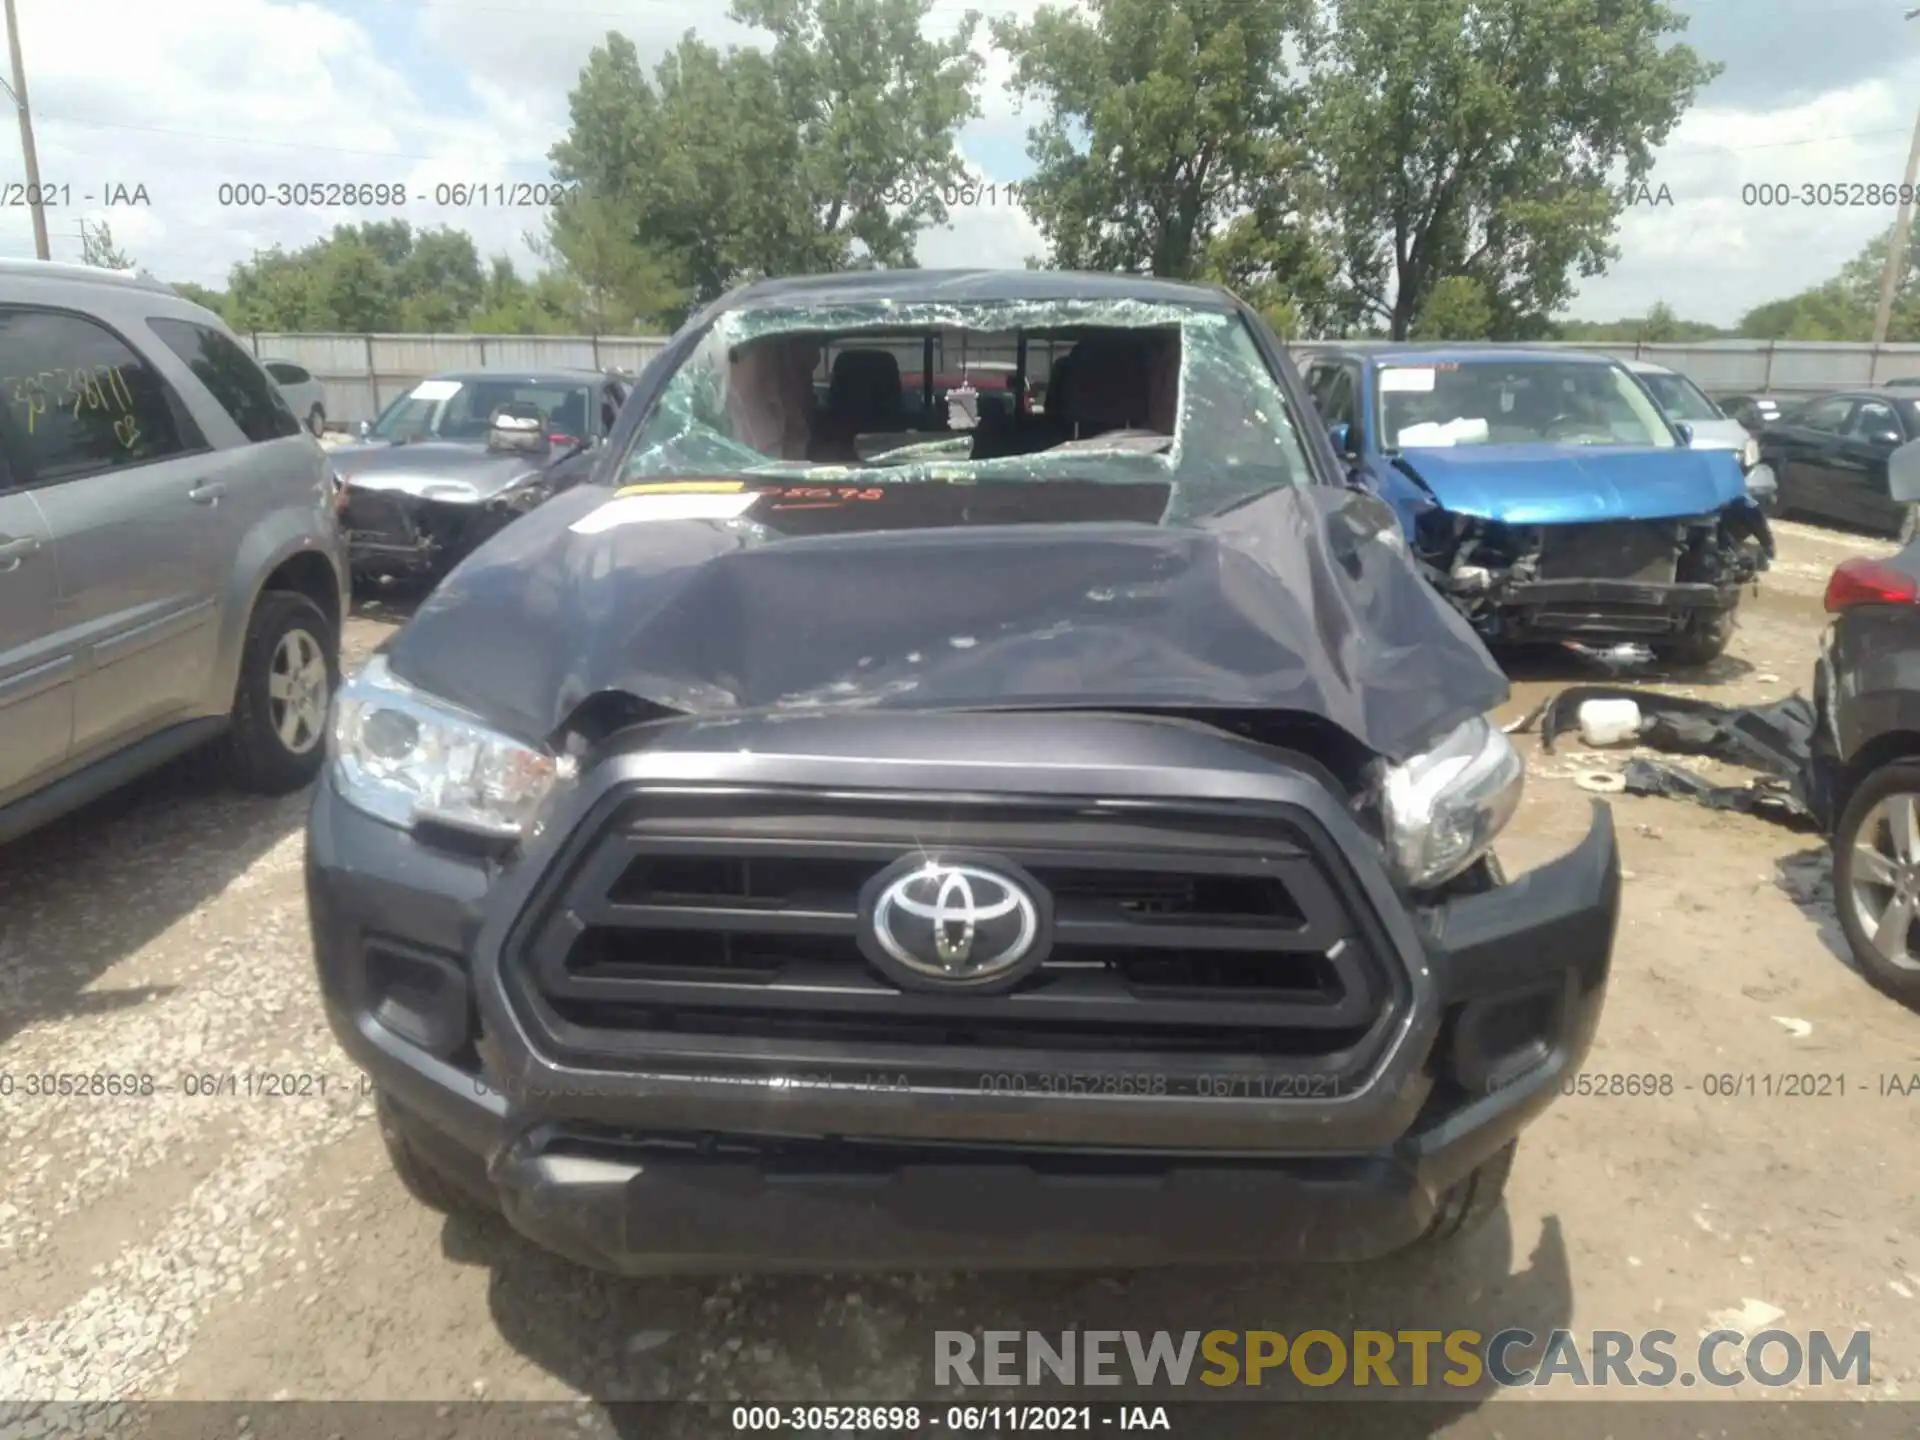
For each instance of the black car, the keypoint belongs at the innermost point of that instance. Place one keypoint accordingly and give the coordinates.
(843, 844)
(1867, 696)
(1830, 456)
(433, 477)
(1758, 411)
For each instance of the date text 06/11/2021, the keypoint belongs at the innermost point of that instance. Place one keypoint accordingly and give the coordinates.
(339, 194)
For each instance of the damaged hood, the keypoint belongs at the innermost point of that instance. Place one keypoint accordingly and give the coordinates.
(1565, 484)
(713, 600)
(443, 470)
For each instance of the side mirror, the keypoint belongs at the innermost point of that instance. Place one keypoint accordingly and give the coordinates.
(1342, 437)
(364, 430)
(1885, 440)
(519, 426)
(1684, 431)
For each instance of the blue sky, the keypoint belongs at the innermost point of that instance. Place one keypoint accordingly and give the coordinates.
(195, 94)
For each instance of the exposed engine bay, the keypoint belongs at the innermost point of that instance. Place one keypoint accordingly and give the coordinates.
(1633, 576)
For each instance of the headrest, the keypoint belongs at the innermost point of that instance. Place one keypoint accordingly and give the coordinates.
(1112, 385)
(865, 390)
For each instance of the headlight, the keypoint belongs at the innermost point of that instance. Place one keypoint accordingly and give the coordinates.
(1750, 454)
(1444, 808)
(401, 756)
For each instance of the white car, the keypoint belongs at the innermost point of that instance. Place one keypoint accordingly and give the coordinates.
(306, 396)
(1686, 404)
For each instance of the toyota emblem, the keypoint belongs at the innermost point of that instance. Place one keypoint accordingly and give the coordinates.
(947, 923)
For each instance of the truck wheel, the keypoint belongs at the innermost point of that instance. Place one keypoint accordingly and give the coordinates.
(425, 1181)
(1876, 878)
(289, 670)
(1701, 643)
(1472, 1202)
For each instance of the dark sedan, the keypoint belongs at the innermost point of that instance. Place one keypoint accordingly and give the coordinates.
(431, 479)
(1830, 458)
(1758, 411)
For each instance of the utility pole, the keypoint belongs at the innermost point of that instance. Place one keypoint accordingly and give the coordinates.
(18, 91)
(1896, 270)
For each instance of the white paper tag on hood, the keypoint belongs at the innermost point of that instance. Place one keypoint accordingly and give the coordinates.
(641, 509)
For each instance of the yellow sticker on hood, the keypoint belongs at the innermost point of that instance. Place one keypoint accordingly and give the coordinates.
(684, 487)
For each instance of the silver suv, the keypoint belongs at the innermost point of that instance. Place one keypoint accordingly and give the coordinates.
(172, 568)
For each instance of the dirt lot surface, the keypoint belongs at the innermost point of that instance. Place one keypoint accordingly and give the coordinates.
(250, 1248)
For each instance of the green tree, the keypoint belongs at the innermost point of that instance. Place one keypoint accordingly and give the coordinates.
(439, 281)
(1456, 308)
(97, 247)
(511, 305)
(616, 284)
(384, 275)
(1488, 138)
(214, 300)
(1843, 306)
(828, 148)
(1165, 120)
(275, 291)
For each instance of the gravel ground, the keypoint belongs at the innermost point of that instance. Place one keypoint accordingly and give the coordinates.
(236, 1246)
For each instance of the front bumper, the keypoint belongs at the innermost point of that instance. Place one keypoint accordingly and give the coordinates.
(1557, 609)
(397, 533)
(659, 1173)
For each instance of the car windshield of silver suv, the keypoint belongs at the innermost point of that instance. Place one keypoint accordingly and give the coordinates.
(1045, 840)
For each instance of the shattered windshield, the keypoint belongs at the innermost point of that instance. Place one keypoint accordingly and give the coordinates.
(887, 393)
(1516, 402)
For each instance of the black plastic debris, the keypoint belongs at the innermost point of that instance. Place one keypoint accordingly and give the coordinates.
(1776, 739)
(1769, 796)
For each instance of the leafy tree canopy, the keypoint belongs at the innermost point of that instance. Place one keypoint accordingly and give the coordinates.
(1487, 138)
(824, 149)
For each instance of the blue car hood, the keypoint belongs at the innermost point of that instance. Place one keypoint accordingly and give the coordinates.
(1566, 484)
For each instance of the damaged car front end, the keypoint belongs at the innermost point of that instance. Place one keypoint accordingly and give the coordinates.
(1674, 583)
(848, 836)
(1550, 500)
(422, 512)
(460, 457)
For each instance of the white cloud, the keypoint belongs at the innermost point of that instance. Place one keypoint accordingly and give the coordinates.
(1712, 255)
(196, 94)
(193, 94)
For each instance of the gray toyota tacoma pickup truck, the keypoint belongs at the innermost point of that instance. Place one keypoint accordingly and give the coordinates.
(851, 834)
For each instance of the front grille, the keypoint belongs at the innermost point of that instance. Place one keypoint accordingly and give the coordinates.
(1642, 550)
(717, 925)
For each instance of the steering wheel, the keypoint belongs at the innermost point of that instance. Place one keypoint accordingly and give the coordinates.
(1566, 421)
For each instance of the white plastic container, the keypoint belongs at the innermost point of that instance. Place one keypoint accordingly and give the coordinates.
(1609, 722)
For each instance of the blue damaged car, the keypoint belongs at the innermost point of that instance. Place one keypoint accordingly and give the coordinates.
(1547, 495)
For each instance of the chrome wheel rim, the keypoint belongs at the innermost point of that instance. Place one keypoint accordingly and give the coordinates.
(297, 691)
(1884, 876)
